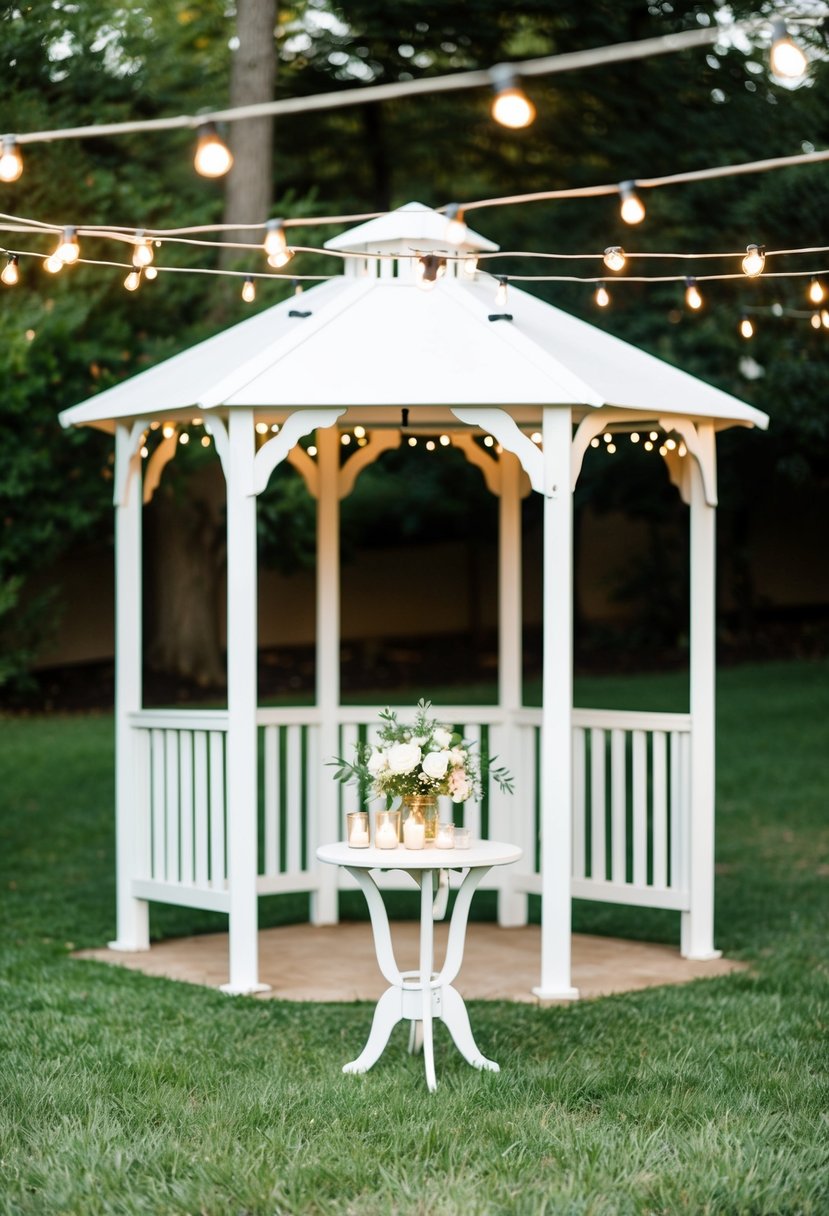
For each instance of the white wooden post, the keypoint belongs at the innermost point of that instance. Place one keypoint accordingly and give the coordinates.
(133, 922)
(241, 707)
(697, 925)
(324, 904)
(512, 815)
(557, 685)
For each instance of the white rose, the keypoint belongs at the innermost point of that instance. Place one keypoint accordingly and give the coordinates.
(435, 765)
(403, 757)
(377, 762)
(442, 736)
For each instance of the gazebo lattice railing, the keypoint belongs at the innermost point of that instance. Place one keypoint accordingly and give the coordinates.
(631, 794)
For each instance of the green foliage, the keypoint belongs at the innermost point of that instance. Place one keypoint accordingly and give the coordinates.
(121, 1093)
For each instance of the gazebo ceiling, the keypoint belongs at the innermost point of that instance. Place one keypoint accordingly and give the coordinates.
(382, 342)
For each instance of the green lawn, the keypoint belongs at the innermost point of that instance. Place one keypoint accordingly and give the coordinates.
(121, 1094)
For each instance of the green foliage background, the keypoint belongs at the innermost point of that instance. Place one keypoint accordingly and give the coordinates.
(66, 337)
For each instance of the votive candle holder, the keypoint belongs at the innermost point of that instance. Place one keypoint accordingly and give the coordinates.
(387, 829)
(358, 835)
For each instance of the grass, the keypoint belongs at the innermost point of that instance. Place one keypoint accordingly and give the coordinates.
(122, 1094)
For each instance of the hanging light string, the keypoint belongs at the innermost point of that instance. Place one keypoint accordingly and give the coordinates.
(548, 65)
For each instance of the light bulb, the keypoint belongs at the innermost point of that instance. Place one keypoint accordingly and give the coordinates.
(754, 260)
(248, 290)
(11, 275)
(501, 294)
(786, 58)
(133, 280)
(297, 286)
(632, 209)
(511, 107)
(142, 254)
(692, 297)
(213, 157)
(824, 318)
(11, 162)
(816, 291)
(814, 320)
(53, 263)
(470, 267)
(150, 272)
(746, 327)
(276, 244)
(602, 296)
(445, 441)
(456, 229)
(614, 257)
(429, 269)
(68, 249)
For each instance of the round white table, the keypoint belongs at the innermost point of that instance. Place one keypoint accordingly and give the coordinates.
(422, 995)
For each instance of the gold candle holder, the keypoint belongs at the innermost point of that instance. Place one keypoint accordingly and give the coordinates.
(357, 830)
(386, 829)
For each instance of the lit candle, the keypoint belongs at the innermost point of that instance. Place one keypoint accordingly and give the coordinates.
(445, 837)
(462, 838)
(414, 833)
(358, 834)
(386, 837)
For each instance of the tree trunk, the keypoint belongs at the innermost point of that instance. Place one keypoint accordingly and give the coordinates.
(249, 186)
(185, 535)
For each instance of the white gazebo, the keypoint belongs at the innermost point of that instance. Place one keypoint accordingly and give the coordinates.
(217, 807)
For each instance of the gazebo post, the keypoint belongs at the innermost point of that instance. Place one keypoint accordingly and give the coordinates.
(697, 924)
(241, 707)
(557, 705)
(133, 921)
(512, 904)
(324, 904)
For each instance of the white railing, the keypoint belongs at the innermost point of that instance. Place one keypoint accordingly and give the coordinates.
(631, 789)
(180, 803)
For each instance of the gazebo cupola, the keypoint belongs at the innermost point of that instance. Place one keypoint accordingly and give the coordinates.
(609, 805)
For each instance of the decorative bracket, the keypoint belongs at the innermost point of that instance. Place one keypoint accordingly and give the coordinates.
(700, 442)
(587, 430)
(157, 463)
(505, 429)
(216, 427)
(378, 442)
(294, 428)
(127, 462)
(478, 456)
(307, 469)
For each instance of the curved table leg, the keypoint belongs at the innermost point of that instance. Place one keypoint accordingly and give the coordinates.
(456, 1020)
(386, 1016)
(427, 954)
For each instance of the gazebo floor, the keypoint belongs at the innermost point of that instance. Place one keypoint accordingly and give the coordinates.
(337, 962)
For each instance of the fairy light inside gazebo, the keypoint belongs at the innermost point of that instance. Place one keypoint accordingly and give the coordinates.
(540, 386)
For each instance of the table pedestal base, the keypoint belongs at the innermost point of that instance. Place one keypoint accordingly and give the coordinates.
(424, 995)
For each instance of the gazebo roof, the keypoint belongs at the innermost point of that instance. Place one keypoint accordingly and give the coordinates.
(381, 341)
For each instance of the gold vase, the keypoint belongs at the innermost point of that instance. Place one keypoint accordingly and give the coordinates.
(424, 809)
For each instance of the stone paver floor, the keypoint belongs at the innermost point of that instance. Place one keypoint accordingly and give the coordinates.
(337, 963)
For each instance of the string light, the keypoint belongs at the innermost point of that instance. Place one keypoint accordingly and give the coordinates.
(456, 229)
(184, 439)
(614, 257)
(754, 260)
(816, 291)
(133, 280)
(53, 263)
(168, 430)
(511, 107)
(445, 441)
(746, 327)
(786, 58)
(248, 290)
(501, 292)
(634, 437)
(814, 320)
(68, 249)
(213, 157)
(142, 254)
(276, 244)
(205, 441)
(824, 318)
(602, 296)
(470, 266)
(692, 296)
(412, 441)
(261, 428)
(11, 162)
(11, 274)
(632, 210)
(150, 272)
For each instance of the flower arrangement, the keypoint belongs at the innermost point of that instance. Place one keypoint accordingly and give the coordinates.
(424, 758)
